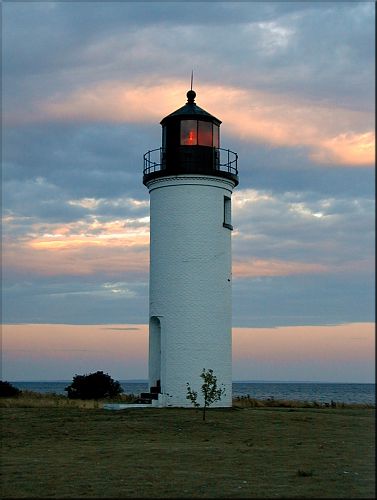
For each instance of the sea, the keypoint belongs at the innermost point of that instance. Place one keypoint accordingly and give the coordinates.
(321, 392)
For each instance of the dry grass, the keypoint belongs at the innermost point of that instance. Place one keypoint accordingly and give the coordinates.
(248, 402)
(71, 451)
(30, 399)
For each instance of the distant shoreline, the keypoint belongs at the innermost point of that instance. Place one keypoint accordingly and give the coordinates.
(145, 381)
(303, 391)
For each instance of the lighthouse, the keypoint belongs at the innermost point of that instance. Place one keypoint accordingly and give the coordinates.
(190, 181)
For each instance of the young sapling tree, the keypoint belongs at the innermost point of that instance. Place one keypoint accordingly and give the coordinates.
(209, 389)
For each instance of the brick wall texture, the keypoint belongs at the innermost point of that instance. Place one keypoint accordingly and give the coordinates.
(190, 285)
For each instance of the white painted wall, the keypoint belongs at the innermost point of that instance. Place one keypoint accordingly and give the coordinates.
(190, 284)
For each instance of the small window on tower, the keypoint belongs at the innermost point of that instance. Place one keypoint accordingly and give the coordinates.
(227, 213)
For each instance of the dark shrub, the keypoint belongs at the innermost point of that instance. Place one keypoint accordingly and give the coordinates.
(96, 385)
(8, 390)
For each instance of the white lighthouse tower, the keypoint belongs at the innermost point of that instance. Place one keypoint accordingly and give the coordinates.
(190, 181)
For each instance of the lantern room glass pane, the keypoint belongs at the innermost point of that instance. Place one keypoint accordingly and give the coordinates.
(204, 133)
(189, 132)
(216, 136)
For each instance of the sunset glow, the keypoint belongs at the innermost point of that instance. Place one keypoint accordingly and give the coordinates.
(122, 350)
(259, 267)
(83, 100)
(252, 115)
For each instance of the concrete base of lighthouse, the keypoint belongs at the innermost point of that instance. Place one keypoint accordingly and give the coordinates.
(190, 286)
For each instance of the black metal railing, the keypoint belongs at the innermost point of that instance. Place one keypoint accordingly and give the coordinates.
(224, 160)
(230, 165)
(154, 160)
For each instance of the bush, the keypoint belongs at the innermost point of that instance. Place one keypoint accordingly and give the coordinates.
(8, 390)
(96, 385)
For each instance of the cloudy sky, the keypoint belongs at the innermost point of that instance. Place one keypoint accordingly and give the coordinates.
(85, 86)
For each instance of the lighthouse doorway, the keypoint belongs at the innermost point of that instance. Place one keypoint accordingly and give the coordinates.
(154, 352)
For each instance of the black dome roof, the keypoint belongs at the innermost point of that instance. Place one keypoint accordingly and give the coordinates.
(191, 110)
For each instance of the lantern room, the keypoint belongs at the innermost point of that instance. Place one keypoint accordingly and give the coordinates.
(190, 145)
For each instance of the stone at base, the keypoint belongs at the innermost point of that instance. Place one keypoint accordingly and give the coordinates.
(124, 406)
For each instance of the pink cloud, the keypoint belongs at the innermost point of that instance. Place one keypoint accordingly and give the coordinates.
(80, 260)
(348, 149)
(252, 268)
(333, 135)
(81, 248)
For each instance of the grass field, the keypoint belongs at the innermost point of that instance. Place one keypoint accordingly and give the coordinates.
(67, 450)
